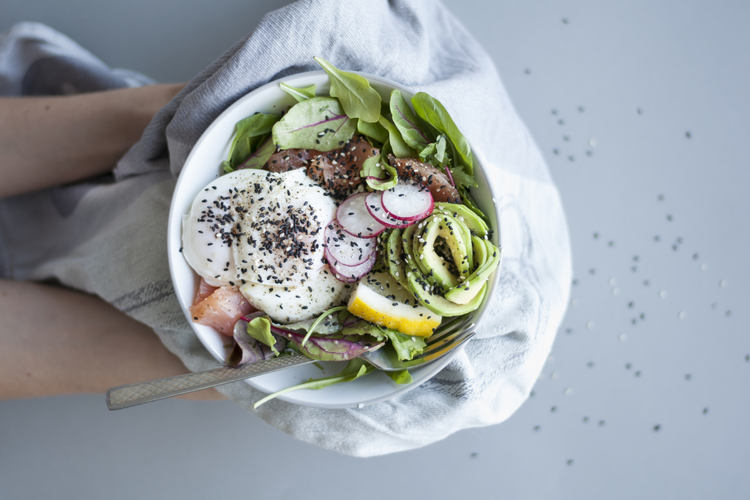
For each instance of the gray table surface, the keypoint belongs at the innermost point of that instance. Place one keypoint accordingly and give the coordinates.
(642, 111)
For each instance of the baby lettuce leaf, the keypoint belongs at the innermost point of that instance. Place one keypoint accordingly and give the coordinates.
(260, 330)
(329, 347)
(249, 350)
(357, 97)
(398, 146)
(406, 346)
(261, 155)
(374, 131)
(299, 93)
(378, 174)
(353, 370)
(247, 135)
(318, 123)
(404, 118)
(400, 377)
(430, 110)
(434, 153)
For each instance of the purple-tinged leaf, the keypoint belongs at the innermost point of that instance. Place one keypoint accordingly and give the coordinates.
(330, 347)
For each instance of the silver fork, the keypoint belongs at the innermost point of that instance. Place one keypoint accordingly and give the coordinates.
(449, 336)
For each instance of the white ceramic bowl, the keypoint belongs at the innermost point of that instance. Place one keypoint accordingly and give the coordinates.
(202, 166)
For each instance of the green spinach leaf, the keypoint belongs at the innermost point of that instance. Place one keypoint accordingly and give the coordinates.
(398, 146)
(261, 155)
(357, 97)
(247, 136)
(406, 121)
(299, 93)
(374, 131)
(318, 123)
(431, 111)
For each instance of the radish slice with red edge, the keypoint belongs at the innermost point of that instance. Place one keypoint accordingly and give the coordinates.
(354, 218)
(345, 248)
(374, 204)
(408, 202)
(350, 274)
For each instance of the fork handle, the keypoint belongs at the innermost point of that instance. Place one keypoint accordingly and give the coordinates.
(129, 395)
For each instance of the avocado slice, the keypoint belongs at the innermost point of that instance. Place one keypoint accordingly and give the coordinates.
(430, 262)
(395, 258)
(475, 224)
(440, 305)
(468, 290)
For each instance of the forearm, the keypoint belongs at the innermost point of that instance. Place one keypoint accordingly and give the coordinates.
(47, 141)
(57, 341)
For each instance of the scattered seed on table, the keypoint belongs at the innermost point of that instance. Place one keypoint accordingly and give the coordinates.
(688, 134)
(705, 410)
(537, 427)
(570, 462)
(688, 376)
(657, 427)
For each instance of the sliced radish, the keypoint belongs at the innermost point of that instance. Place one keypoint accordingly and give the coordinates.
(345, 248)
(353, 216)
(350, 274)
(408, 202)
(374, 202)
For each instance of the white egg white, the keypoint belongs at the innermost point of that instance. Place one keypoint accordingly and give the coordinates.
(281, 220)
(305, 301)
(206, 233)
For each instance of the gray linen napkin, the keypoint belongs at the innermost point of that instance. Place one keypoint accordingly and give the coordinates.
(109, 236)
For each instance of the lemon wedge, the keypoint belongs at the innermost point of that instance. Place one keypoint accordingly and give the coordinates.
(379, 299)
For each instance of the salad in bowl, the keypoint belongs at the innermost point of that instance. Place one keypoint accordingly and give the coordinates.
(339, 225)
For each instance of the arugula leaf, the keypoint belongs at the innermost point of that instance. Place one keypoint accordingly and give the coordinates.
(261, 155)
(404, 118)
(434, 153)
(400, 377)
(299, 93)
(399, 147)
(372, 130)
(357, 97)
(318, 123)
(247, 135)
(226, 167)
(462, 179)
(353, 370)
(434, 113)
(260, 330)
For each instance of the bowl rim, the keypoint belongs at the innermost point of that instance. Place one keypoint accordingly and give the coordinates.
(175, 218)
